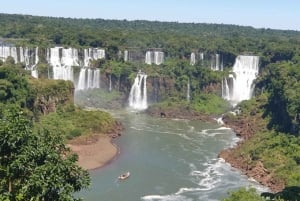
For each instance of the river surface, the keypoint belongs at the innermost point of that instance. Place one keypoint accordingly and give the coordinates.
(169, 160)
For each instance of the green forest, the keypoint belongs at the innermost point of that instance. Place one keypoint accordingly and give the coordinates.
(274, 110)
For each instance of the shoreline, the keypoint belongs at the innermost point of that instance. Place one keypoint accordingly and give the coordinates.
(97, 150)
(244, 128)
(94, 151)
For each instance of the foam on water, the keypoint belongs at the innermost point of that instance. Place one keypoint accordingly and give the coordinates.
(172, 197)
(223, 128)
(205, 180)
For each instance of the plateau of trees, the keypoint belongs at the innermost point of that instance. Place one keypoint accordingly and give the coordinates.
(176, 39)
(277, 88)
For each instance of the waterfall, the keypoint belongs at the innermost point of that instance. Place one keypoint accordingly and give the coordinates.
(126, 55)
(62, 61)
(215, 63)
(156, 57)
(246, 70)
(21, 55)
(193, 58)
(34, 72)
(148, 59)
(225, 89)
(88, 79)
(92, 54)
(6, 51)
(138, 92)
(110, 87)
(188, 97)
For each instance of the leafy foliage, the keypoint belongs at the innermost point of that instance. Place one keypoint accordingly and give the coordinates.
(14, 88)
(36, 166)
(77, 122)
(281, 84)
(245, 195)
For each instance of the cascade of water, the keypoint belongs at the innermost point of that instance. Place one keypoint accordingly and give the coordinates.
(110, 87)
(246, 70)
(225, 89)
(60, 70)
(92, 54)
(34, 72)
(188, 97)
(160, 59)
(126, 55)
(82, 79)
(36, 55)
(96, 79)
(201, 56)
(138, 92)
(193, 58)
(215, 62)
(155, 57)
(69, 57)
(14, 54)
(148, 59)
(88, 79)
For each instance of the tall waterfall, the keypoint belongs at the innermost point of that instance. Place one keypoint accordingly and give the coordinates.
(138, 92)
(88, 79)
(193, 58)
(196, 57)
(216, 63)
(34, 72)
(110, 87)
(63, 60)
(156, 57)
(93, 54)
(126, 55)
(240, 87)
(188, 96)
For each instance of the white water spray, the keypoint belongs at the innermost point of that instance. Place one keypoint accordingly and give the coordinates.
(110, 87)
(156, 57)
(138, 92)
(193, 59)
(188, 96)
(245, 70)
(88, 79)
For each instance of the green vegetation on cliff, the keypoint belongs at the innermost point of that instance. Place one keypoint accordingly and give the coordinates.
(77, 122)
(36, 119)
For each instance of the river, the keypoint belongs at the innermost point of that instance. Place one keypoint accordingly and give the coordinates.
(169, 160)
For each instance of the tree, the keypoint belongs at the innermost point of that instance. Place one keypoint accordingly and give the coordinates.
(245, 195)
(36, 166)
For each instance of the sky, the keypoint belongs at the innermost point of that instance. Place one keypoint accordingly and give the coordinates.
(274, 14)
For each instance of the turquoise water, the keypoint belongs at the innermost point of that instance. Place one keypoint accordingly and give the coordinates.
(169, 159)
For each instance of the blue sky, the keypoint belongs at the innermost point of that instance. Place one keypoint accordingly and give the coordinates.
(276, 14)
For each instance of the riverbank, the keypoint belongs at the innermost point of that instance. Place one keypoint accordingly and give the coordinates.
(96, 150)
(245, 126)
